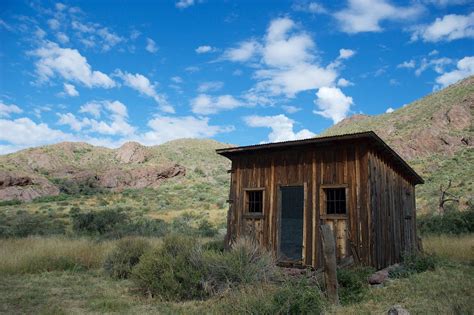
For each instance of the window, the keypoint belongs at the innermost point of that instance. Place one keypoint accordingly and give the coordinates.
(335, 200)
(254, 200)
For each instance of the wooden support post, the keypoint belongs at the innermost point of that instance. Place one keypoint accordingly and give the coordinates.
(329, 257)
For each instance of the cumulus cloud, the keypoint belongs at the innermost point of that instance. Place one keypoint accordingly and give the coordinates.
(165, 128)
(447, 28)
(68, 64)
(344, 83)
(332, 103)
(290, 109)
(366, 15)
(6, 110)
(204, 49)
(346, 53)
(210, 86)
(70, 90)
(183, 4)
(23, 132)
(437, 64)
(407, 64)
(206, 104)
(151, 46)
(389, 110)
(464, 68)
(94, 34)
(282, 127)
(243, 52)
(143, 85)
(115, 122)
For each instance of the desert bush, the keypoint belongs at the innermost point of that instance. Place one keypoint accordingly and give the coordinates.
(245, 263)
(13, 202)
(206, 229)
(353, 285)
(60, 197)
(298, 296)
(145, 227)
(453, 222)
(413, 263)
(294, 296)
(173, 271)
(98, 222)
(23, 224)
(126, 254)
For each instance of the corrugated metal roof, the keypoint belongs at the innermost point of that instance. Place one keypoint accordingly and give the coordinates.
(369, 135)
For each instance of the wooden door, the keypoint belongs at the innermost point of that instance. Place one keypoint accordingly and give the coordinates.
(291, 223)
(334, 212)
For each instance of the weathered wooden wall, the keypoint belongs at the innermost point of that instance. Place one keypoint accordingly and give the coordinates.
(315, 167)
(392, 200)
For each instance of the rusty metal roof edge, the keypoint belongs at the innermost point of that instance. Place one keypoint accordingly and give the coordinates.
(366, 134)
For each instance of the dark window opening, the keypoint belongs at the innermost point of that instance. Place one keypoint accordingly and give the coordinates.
(255, 201)
(335, 200)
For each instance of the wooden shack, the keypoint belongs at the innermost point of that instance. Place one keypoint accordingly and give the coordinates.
(280, 194)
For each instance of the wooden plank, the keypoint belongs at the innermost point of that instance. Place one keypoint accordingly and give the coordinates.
(329, 253)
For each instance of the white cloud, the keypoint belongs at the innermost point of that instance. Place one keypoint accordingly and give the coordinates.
(389, 110)
(204, 49)
(206, 104)
(62, 38)
(311, 7)
(70, 90)
(210, 86)
(332, 103)
(290, 109)
(447, 28)
(115, 112)
(366, 15)
(92, 108)
(53, 24)
(407, 64)
(70, 65)
(465, 68)
(151, 46)
(183, 4)
(344, 83)
(92, 34)
(243, 52)
(346, 53)
(141, 84)
(437, 64)
(282, 127)
(6, 110)
(23, 132)
(177, 79)
(166, 128)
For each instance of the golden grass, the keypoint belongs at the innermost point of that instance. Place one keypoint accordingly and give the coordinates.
(455, 248)
(39, 254)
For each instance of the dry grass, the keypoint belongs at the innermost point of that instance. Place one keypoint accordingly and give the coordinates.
(38, 254)
(455, 248)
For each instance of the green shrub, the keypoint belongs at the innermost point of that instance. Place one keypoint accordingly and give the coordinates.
(413, 263)
(13, 202)
(206, 229)
(99, 222)
(353, 284)
(23, 224)
(297, 296)
(245, 263)
(126, 254)
(173, 271)
(453, 222)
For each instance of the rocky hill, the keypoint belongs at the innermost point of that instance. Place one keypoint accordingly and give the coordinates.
(435, 134)
(81, 167)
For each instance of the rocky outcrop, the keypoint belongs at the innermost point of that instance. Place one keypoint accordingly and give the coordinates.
(117, 179)
(22, 187)
(132, 152)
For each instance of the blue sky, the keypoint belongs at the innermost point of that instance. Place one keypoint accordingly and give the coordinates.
(241, 72)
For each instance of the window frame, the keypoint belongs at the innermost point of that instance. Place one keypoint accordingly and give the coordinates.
(246, 202)
(323, 201)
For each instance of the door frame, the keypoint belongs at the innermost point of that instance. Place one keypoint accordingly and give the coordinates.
(278, 223)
